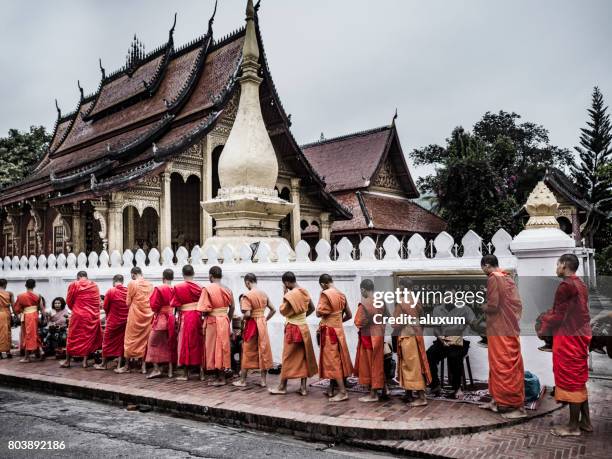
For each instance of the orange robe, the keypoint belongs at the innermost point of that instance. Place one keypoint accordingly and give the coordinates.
(412, 365)
(84, 328)
(299, 360)
(215, 301)
(5, 321)
(335, 359)
(139, 319)
(27, 304)
(256, 350)
(370, 358)
(503, 312)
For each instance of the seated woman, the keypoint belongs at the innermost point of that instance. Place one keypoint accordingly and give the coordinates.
(57, 325)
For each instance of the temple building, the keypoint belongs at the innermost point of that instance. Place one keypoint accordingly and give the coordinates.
(134, 165)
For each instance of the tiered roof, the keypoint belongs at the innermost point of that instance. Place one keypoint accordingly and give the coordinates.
(150, 110)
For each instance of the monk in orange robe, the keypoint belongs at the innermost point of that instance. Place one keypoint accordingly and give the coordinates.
(299, 359)
(370, 358)
(84, 328)
(162, 340)
(139, 321)
(185, 298)
(335, 359)
(217, 304)
(569, 324)
(256, 350)
(116, 310)
(503, 311)
(412, 365)
(6, 303)
(29, 304)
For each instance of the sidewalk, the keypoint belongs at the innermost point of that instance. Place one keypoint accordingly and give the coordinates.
(252, 407)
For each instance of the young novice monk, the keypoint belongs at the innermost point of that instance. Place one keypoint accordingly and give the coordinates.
(256, 350)
(370, 358)
(335, 360)
(29, 304)
(162, 340)
(299, 359)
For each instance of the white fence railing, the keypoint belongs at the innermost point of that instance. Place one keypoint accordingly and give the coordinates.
(442, 247)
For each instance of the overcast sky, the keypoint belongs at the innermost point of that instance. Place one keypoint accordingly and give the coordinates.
(340, 66)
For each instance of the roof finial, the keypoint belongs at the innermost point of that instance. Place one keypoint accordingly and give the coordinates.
(250, 50)
(171, 33)
(257, 5)
(102, 69)
(80, 89)
(212, 18)
(394, 117)
(59, 111)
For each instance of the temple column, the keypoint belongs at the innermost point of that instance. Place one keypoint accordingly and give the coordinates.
(115, 227)
(325, 227)
(296, 230)
(576, 228)
(78, 233)
(206, 227)
(128, 227)
(165, 213)
(101, 215)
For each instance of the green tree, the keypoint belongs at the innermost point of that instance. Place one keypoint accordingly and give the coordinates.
(593, 173)
(20, 151)
(482, 178)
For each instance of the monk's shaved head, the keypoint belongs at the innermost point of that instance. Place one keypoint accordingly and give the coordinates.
(30, 283)
(118, 279)
(367, 285)
(289, 277)
(215, 272)
(250, 277)
(490, 260)
(81, 274)
(168, 274)
(3, 283)
(325, 279)
(570, 261)
(136, 271)
(188, 271)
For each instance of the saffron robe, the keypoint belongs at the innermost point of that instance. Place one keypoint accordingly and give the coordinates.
(116, 310)
(162, 340)
(185, 297)
(569, 322)
(140, 315)
(84, 328)
(5, 321)
(28, 304)
(299, 360)
(335, 359)
(413, 371)
(256, 349)
(503, 312)
(215, 301)
(370, 358)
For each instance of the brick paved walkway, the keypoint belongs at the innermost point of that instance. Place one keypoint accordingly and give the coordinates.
(311, 417)
(531, 439)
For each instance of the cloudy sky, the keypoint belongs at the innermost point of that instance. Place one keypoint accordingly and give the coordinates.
(341, 65)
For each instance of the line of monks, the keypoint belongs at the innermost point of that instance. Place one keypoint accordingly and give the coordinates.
(142, 326)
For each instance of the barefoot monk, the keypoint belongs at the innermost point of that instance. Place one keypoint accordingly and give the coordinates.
(116, 310)
(162, 340)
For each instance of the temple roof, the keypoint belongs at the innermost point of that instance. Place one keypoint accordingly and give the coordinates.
(150, 110)
(351, 162)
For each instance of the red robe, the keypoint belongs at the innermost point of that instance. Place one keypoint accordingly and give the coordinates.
(116, 310)
(503, 312)
(214, 301)
(28, 304)
(569, 322)
(190, 344)
(84, 329)
(162, 340)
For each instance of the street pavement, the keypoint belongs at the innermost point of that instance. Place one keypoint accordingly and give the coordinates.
(90, 429)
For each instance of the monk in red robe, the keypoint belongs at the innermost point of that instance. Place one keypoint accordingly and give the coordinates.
(503, 311)
(370, 358)
(6, 303)
(256, 350)
(335, 360)
(116, 310)
(299, 360)
(185, 299)
(412, 365)
(84, 328)
(162, 340)
(217, 303)
(569, 324)
(29, 305)
(139, 320)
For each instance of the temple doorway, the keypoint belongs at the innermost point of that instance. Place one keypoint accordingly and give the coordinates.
(185, 197)
(140, 231)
